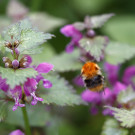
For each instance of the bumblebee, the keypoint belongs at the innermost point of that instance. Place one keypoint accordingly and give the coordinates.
(92, 77)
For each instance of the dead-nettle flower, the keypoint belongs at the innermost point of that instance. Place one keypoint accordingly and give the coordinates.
(84, 37)
(26, 91)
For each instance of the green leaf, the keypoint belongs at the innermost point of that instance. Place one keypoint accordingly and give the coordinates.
(93, 46)
(111, 127)
(98, 21)
(66, 62)
(126, 117)
(121, 29)
(29, 38)
(117, 53)
(47, 22)
(126, 96)
(61, 93)
(17, 77)
(47, 53)
(36, 117)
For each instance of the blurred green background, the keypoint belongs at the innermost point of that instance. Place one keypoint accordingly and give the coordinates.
(78, 120)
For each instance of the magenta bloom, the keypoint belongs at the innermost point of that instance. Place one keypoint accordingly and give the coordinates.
(16, 132)
(91, 97)
(30, 86)
(71, 31)
(129, 76)
(112, 72)
(78, 81)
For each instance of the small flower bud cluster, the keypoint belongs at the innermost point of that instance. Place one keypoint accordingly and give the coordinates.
(23, 63)
(13, 45)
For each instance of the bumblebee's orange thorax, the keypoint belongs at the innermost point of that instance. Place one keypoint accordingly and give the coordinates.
(90, 69)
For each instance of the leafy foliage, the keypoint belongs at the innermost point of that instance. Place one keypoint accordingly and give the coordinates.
(47, 22)
(41, 119)
(61, 93)
(121, 28)
(111, 127)
(93, 46)
(28, 37)
(126, 117)
(93, 22)
(126, 96)
(117, 53)
(17, 77)
(65, 62)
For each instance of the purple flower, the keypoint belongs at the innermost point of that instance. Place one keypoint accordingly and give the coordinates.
(71, 31)
(91, 97)
(16, 132)
(78, 81)
(118, 87)
(29, 87)
(112, 72)
(129, 76)
(107, 111)
(94, 110)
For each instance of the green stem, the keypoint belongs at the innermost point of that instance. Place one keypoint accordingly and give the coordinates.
(26, 121)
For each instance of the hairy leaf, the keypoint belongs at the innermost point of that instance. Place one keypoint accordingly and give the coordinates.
(47, 22)
(61, 93)
(29, 38)
(65, 62)
(17, 77)
(98, 21)
(94, 46)
(126, 117)
(79, 26)
(111, 127)
(117, 53)
(126, 96)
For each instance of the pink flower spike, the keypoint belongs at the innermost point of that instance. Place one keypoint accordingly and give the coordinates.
(44, 67)
(70, 47)
(16, 132)
(47, 84)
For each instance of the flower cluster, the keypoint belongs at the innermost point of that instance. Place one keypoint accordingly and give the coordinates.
(109, 96)
(79, 31)
(25, 92)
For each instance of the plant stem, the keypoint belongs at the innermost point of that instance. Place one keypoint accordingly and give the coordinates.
(26, 121)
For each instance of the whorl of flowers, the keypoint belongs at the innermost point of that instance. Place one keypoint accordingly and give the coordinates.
(15, 44)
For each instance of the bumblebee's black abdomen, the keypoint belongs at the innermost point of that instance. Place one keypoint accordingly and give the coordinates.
(95, 81)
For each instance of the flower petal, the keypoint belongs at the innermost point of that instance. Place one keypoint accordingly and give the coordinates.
(16, 132)
(47, 84)
(44, 67)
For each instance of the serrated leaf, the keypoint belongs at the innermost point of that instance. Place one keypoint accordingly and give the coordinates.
(29, 38)
(126, 96)
(65, 62)
(79, 26)
(36, 117)
(126, 117)
(47, 22)
(94, 46)
(98, 21)
(117, 53)
(61, 93)
(111, 127)
(17, 77)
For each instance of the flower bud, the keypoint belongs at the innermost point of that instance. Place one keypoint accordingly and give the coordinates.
(5, 59)
(16, 43)
(8, 45)
(15, 63)
(91, 33)
(6, 64)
